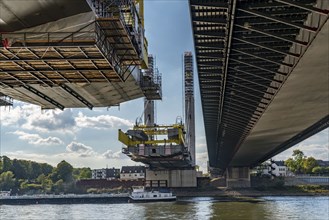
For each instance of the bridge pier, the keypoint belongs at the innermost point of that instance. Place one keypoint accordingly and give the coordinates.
(238, 177)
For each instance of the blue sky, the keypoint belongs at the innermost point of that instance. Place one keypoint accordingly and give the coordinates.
(89, 138)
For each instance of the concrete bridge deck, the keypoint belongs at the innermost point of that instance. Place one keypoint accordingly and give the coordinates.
(263, 75)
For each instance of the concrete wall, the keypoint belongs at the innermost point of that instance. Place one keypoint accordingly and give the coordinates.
(174, 178)
(306, 180)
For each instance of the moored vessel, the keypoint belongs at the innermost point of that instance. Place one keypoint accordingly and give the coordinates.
(139, 194)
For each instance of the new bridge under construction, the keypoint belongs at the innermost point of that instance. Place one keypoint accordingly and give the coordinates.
(262, 67)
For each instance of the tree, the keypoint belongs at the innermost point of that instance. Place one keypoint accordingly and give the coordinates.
(46, 168)
(18, 169)
(82, 173)
(64, 171)
(318, 170)
(7, 181)
(6, 164)
(295, 164)
(58, 186)
(85, 173)
(308, 164)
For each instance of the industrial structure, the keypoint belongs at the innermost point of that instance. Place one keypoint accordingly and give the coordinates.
(77, 53)
(263, 75)
(189, 104)
(168, 150)
(262, 69)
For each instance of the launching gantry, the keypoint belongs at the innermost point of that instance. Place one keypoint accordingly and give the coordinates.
(159, 146)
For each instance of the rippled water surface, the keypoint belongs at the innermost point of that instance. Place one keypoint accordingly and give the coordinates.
(310, 208)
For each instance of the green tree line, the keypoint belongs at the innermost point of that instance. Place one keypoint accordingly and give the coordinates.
(300, 164)
(25, 176)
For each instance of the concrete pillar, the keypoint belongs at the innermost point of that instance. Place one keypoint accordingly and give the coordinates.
(238, 177)
(173, 178)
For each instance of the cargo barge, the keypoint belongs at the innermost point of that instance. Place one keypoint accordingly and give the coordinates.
(65, 199)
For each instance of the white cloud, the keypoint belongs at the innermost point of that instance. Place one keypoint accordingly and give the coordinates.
(110, 155)
(101, 122)
(13, 116)
(37, 139)
(80, 149)
(95, 162)
(201, 161)
(31, 117)
(51, 120)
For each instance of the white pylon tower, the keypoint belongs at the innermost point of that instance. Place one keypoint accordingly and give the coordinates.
(189, 105)
(148, 103)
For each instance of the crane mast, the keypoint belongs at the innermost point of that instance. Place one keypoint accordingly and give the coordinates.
(167, 150)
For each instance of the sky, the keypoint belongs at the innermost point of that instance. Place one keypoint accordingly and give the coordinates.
(89, 138)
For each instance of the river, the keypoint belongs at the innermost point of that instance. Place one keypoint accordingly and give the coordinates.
(285, 207)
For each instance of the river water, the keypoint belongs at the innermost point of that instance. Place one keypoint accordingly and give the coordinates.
(287, 207)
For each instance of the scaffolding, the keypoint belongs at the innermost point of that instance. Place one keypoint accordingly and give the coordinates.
(5, 100)
(117, 32)
(151, 81)
(98, 48)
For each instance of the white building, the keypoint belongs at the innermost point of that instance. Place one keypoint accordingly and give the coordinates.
(277, 168)
(111, 173)
(132, 173)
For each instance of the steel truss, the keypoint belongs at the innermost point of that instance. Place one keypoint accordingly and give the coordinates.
(245, 50)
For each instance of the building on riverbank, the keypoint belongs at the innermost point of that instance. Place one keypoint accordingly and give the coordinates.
(106, 173)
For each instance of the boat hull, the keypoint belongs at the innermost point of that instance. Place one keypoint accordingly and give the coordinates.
(131, 200)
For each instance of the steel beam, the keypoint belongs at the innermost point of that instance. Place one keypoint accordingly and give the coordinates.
(245, 103)
(258, 67)
(54, 59)
(216, 4)
(216, 34)
(55, 70)
(43, 96)
(262, 58)
(253, 82)
(232, 120)
(211, 20)
(246, 108)
(77, 96)
(232, 8)
(250, 88)
(255, 75)
(248, 27)
(240, 117)
(249, 94)
(243, 113)
(247, 99)
(305, 7)
(267, 47)
(277, 19)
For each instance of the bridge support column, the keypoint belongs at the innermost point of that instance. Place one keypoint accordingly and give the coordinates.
(238, 177)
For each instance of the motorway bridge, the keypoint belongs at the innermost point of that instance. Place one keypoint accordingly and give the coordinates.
(263, 74)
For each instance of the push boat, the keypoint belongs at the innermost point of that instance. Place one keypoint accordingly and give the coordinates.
(139, 194)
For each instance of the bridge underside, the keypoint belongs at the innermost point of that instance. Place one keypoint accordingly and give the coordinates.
(60, 54)
(263, 75)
